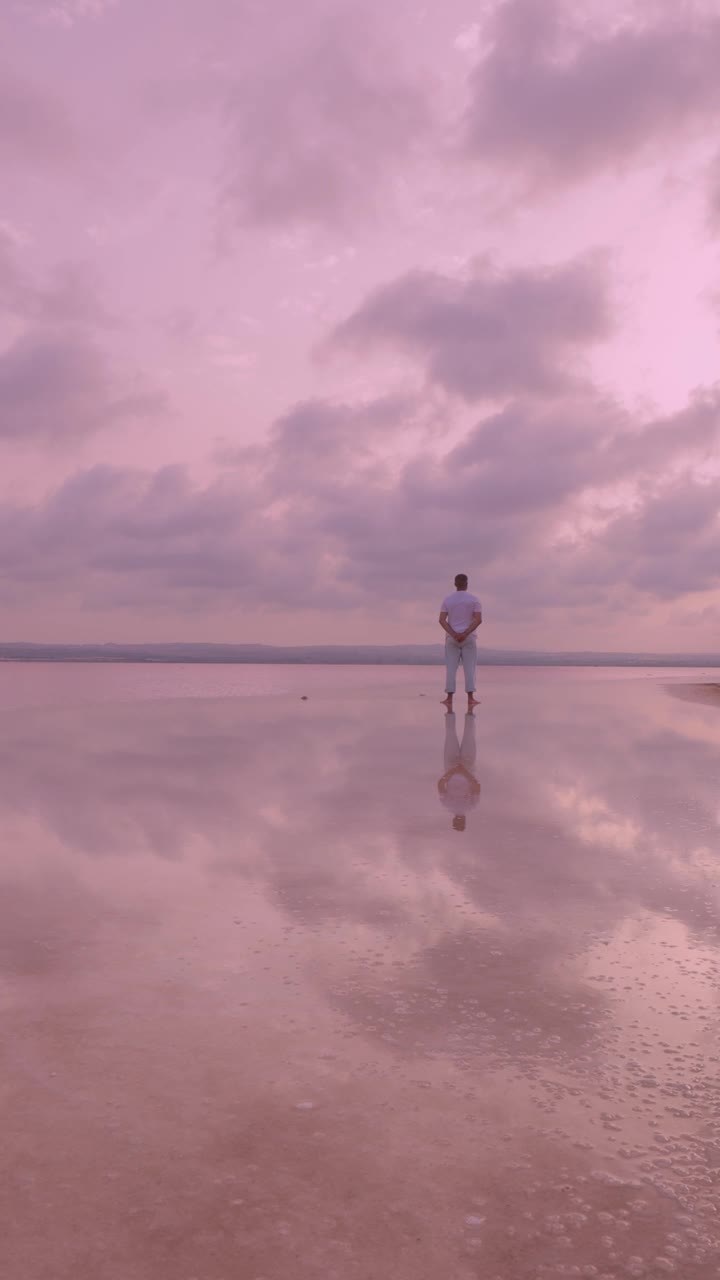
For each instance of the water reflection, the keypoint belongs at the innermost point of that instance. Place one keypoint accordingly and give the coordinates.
(592, 809)
(247, 909)
(458, 788)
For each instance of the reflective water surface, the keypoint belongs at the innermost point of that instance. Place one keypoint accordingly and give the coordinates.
(346, 989)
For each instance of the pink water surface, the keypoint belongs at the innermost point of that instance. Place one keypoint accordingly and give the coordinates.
(268, 1014)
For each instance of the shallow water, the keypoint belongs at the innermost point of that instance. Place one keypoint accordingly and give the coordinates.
(327, 989)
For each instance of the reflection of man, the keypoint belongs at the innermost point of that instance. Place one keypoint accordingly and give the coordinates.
(458, 788)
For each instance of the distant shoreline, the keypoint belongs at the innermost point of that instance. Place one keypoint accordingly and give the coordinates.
(332, 655)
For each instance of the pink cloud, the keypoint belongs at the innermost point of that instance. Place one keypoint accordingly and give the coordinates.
(54, 387)
(714, 196)
(314, 515)
(458, 416)
(316, 132)
(496, 333)
(556, 101)
(56, 382)
(35, 128)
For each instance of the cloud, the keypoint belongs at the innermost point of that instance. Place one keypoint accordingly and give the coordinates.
(317, 127)
(56, 383)
(494, 334)
(16, 292)
(499, 498)
(34, 128)
(142, 535)
(318, 510)
(54, 387)
(317, 441)
(669, 545)
(588, 442)
(70, 297)
(556, 102)
(66, 13)
(714, 196)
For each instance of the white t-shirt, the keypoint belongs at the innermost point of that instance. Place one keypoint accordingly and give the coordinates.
(459, 795)
(460, 607)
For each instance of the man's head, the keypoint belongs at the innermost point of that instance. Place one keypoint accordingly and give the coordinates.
(461, 581)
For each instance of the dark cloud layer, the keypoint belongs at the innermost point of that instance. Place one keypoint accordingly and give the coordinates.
(714, 196)
(54, 387)
(15, 291)
(669, 544)
(317, 510)
(553, 101)
(554, 491)
(313, 134)
(57, 384)
(34, 128)
(494, 334)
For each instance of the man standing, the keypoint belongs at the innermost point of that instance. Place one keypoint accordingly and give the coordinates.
(460, 616)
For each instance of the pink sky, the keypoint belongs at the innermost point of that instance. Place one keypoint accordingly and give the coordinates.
(306, 307)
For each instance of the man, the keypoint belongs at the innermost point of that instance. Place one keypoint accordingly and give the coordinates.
(460, 616)
(458, 788)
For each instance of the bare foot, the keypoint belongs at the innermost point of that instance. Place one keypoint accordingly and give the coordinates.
(473, 702)
(447, 702)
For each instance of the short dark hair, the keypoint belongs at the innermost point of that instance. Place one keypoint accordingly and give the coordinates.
(461, 581)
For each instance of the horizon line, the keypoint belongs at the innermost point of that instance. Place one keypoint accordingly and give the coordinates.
(251, 644)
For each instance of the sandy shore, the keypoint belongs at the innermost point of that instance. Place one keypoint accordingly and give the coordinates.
(705, 692)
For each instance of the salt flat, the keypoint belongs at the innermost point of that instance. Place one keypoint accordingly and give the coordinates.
(271, 1012)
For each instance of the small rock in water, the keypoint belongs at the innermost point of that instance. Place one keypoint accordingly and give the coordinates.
(304, 698)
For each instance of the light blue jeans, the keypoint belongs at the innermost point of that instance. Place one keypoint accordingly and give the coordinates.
(459, 752)
(455, 654)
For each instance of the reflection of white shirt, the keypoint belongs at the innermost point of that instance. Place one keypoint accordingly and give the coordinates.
(459, 795)
(460, 607)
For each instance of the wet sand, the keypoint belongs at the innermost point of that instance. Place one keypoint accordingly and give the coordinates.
(709, 693)
(269, 1013)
